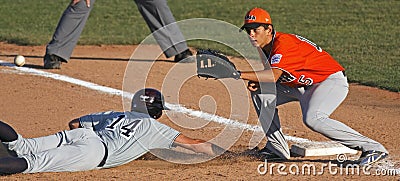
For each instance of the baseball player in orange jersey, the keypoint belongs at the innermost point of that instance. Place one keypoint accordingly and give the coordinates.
(302, 72)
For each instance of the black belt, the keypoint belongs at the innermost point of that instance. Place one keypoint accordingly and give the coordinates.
(101, 164)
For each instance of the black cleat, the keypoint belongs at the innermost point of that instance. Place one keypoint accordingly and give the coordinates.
(183, 55)
(52, 61)
(268, 155)
(262, 154)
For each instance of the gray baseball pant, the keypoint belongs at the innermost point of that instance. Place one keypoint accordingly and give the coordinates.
(162, 23)
(155, 12)
(66, 151)
(317, 104)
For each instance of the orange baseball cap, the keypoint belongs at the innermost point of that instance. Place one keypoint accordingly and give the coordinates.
(255, 17)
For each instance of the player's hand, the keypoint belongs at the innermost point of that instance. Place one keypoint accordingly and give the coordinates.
(253, 86)
(75, 123)
(73, 2)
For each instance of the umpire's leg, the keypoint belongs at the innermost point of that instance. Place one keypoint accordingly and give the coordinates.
(162, 23)
(69, 30)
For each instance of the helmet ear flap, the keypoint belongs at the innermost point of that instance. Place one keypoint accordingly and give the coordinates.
(149, 101)
(155, 113)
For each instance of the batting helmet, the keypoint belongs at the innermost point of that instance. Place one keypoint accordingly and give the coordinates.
(149, 101)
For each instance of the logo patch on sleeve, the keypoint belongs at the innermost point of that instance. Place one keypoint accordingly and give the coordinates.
(276, 58)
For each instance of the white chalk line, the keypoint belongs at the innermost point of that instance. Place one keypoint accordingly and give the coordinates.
(173, 107)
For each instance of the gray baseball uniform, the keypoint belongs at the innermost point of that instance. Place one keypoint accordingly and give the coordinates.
(124, 136)
(155, 12)
(317, 103)
(130, 135)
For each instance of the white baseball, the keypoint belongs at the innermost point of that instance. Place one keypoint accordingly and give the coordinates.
(19, 60)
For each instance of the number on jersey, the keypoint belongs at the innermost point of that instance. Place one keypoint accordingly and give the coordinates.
(126, 130)
(309, 42)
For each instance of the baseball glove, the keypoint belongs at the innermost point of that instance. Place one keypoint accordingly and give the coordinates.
(212, 64)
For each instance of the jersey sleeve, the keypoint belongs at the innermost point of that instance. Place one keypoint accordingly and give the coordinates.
(161, 135)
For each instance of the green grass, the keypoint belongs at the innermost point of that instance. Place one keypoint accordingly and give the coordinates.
(363, 35)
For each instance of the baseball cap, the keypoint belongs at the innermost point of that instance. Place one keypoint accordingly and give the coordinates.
(255, 17)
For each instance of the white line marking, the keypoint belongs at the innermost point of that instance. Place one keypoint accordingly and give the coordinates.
(64, 78)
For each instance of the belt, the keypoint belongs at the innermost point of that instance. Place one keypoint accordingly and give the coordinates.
(101, 164)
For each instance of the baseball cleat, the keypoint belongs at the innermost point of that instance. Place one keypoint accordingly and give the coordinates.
(371, 156)
(262, 154)
(268, 155)
(183, 55)
(52, 61)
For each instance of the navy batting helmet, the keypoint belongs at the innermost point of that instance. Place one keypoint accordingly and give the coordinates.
(149, 101)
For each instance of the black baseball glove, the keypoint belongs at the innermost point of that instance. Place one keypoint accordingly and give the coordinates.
(212, 64)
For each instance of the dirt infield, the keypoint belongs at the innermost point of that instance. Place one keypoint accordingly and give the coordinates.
(38, 106)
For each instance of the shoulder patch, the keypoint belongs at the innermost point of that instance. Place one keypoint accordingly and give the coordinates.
(276, 58)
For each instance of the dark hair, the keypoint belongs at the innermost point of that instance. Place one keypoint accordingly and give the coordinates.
(256, 25)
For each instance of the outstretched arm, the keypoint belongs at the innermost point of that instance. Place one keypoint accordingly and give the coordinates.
(254, 77)
(262, 75)
(198, 146)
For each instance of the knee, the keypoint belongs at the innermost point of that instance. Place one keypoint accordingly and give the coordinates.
(313, 120)
(268, 100)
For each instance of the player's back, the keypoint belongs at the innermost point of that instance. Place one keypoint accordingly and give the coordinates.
(129, 135)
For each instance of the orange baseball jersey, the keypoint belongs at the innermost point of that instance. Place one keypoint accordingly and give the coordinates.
(302, 61)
